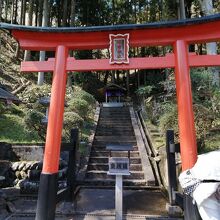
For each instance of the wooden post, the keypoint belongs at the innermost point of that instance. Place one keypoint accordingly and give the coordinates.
(46, 203)
(71, 173)
(185, 108)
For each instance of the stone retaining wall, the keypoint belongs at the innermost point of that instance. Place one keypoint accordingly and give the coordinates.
(20, 164)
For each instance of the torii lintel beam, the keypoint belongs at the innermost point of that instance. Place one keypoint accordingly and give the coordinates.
(135, 63)
(196, 30)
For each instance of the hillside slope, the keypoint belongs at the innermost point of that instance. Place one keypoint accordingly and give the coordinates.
(10, 76)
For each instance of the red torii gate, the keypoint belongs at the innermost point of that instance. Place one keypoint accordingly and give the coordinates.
(178, 34)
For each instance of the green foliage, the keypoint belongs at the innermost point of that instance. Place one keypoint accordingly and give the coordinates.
(83, 95)
(79, 106)
(33, 121)
(203, 122)
(2, 108)
(71, 120)
(201, 84)
(13, 130)
(33, 93)
(206, 98)
(207, 107)
(14, 109)
(168, 117)
(144, 90)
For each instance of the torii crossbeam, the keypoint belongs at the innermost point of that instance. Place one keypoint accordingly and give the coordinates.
(178, 34)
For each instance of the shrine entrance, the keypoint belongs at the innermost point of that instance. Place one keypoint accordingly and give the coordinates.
(179, 35)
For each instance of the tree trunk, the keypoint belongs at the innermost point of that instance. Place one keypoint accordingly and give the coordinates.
(21, 13)
(36, 12)
(0, 11)
(72, 13)
(181, 10)
(24, 13)
(106, 77)
(72, 23)
(113, 76)
(40, 80)
(207, 9)
(40, 16)
(64, 20)
(6, 10)
(30, 12)
(16, 12)
(12, 11)
(27, 53)
(113, 12)
(17, 51)
(69, 82)
(59, 16)
(138, 79)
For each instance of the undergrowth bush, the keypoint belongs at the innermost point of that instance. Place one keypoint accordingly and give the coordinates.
(33, 121)
(168, 118)
(71, 120)
(206, 105)
(2, 108)
(79, 106)
(33, 93)
(85, 96)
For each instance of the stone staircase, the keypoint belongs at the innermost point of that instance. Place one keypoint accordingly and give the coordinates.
(114, 127)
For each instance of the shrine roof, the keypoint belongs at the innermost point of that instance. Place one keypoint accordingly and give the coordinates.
(114, 86)
(163, 24)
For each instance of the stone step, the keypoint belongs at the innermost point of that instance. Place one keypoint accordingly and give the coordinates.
(114, 133)
(105, 167)
(115, 138)
(115, 122)
(110, 134)
(114, 126)
(100, 174)
(113, 118)
(111, 182)
(106, 153)
(116, 109)
(102, 147)
(122, 121)
(115, 115)
(118, 117)
(134, 160)
(115, 129)
(111, 110)
(31, 187)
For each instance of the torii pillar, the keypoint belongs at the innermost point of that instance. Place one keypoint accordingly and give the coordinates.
(48, 181)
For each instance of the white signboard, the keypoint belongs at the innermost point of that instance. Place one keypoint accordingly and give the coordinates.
(118, 166)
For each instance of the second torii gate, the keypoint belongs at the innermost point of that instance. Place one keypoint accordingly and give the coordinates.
(177, 34)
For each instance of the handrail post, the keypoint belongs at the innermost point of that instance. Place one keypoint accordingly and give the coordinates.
(171, 167)
(71, 173)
